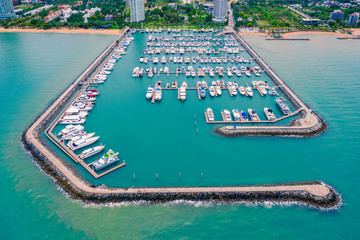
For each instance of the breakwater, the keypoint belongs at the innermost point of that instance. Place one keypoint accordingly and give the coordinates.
(315, 194)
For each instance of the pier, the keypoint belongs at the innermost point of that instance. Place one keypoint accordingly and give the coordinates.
(80, 84)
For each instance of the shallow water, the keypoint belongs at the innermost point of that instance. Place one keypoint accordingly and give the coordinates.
(323, 72)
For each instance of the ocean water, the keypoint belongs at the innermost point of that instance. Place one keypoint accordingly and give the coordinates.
(324, 72)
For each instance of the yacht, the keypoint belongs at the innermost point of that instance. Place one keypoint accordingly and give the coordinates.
(227, 116)
(247, 73)
(242, 90)
(229, 74)
(91, 151)
(72, 120)
(163, 59)
(210, 114)
(173, 84)
(244, 116)
(158, 94)
(272, 91)
(218, 90)
(253, 115)
(74, 111)
(73, 134)
(83, 143)
(262, 90)
(233, 90)
(284, 108)
(106, 160)
(269, 114)
(78, 138)
(70, 129)
(183, 92)
(150, 92)
(236, 114)
(249, 91)
(202, 92)
(212, 91)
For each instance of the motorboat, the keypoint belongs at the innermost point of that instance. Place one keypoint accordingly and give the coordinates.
(212, 91)
(269, 114)
(284, 108)
(249, 91)
(218, 90)
(72, 120)
(158, 94)
(244, 116)
(242, 90)
(202, 92)
(227, 116)
(91, 151)
(78, 138)
(149, 92)
(210, 114)
(83, 143)
(183, 92)
(236, 114)
(272, 91)
(70, 128)
(262, 90)
(106, 160)
(233, 90)
(253, 115)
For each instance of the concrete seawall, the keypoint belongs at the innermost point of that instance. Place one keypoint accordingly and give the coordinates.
(315, 194)
(307, 124)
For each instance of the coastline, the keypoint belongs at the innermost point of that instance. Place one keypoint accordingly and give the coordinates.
(289, 34)
(62, 30)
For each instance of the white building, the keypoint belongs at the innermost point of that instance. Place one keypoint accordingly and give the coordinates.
(220, 10)
(137, 10)
(6, 9)
(89, 13)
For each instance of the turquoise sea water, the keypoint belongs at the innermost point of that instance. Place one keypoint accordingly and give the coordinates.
(324, 72)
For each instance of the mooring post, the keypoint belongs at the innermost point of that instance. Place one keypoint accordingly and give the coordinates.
(134, 177)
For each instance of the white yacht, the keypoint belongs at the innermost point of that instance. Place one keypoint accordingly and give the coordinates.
(210, 114)
(212, 91)
(227, 116)
(249, 91)
(233, 90)
(83, 143)
(91, 151)
(218, 90)
(78, 138)
(269, 114)
(106, 160)
(69, 129)
(149, 92)
(183, 92)
(236, 114)
(242, 90)
(158, 94)
(262, 90)
(72, 120)
(253, 115)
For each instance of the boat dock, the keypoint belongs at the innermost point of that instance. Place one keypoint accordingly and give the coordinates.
(249, 121)
(85, 81)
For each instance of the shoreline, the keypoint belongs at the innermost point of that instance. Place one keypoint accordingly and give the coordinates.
(62, 30)
(316, 194)
(289, 34)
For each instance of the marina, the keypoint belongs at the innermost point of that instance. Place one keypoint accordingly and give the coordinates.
(245, 95)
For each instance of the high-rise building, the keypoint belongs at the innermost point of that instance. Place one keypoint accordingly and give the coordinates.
(353, 18)
(6, 9)
(337, 14)
(137, 10)
(220, 10)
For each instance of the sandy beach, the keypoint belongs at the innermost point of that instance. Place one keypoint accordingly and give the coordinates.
(287, 35)
(64, 30)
